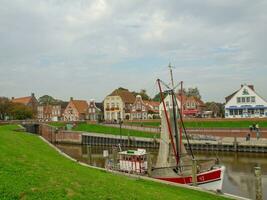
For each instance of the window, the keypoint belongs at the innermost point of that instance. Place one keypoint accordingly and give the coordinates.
(243, 99)
(238, 100)
(236, 112)
(188, 104)
(253, 99)
(251, 111)
(240, 112)
(248, 99)
(107, 105)
(262, 111)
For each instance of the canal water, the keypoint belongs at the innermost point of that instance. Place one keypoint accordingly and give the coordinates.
(239, 176)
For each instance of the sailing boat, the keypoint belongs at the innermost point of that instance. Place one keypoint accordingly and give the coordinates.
(174, 164)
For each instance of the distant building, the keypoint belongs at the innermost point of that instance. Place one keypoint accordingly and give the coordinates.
(76, 110)
(192, 106)
(29, 101)
(95, 111)
(144, 109)
(49, 112)
(245, 103)
(117, 105)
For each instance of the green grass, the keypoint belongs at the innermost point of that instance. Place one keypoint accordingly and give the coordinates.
(96, 128)
(57, 124)
(31, 169)
(209, 124)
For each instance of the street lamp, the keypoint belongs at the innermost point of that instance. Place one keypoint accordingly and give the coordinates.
(120, 123)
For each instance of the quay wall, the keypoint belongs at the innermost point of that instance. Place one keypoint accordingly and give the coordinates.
(54, 135)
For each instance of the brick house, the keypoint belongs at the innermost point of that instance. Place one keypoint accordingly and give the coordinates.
(192, 106)
(144, 109)
(95, 111)
(49, 112)
(117, 105)
(29, 101)
(153, 109)
(76, 110)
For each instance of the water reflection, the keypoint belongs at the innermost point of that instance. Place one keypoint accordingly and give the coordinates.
(238, 180)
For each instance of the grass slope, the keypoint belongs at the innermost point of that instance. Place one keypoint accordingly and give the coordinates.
(96, 128)
(209, 124)
(30, 169)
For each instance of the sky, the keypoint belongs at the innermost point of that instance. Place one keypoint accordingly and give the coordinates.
(85, 49)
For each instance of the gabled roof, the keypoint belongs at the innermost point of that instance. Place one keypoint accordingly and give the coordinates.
(80, 105)
(22, 100)
(228, 98)
(126, 95)
(191, 98)
(152, 103)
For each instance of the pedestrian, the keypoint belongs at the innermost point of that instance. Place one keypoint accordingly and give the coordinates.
(248, 137)
(257, 127)
(254, 126)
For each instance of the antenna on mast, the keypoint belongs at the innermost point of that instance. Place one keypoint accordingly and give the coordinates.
(170, 67)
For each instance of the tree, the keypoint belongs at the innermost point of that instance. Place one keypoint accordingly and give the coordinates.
(157, 97)
(216, 108)
(46, 99)
(142, 93)
(193, 92)
(5, 107)
(20, 111)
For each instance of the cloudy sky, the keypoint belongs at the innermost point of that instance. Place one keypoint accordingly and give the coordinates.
(85, 49)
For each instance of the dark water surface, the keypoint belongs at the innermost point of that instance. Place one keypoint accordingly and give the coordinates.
(239, 176)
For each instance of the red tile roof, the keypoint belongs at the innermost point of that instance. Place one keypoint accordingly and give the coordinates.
(152, 103)
(80, 105)
(126, 96)
(22, 100)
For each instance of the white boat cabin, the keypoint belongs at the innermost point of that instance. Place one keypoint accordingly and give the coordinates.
(133, 161)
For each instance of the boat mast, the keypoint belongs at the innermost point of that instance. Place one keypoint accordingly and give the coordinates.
(178, 150)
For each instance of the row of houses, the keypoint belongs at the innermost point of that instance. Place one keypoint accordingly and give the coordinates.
(121, 104)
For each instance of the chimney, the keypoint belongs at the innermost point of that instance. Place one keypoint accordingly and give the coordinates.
(242, 85)
(13, 98)
(71, 98)
(32, 95)
(251, 87)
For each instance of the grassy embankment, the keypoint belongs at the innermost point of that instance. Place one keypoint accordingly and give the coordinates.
(31, 169)
(208, 124)
(57, 124)
(97, 128)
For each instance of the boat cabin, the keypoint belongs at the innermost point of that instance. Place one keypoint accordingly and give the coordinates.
(133, 161)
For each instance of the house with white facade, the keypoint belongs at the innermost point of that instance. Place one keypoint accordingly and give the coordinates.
(117, 105)
(245, 103)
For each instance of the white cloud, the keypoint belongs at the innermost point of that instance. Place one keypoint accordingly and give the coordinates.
(87, 48)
